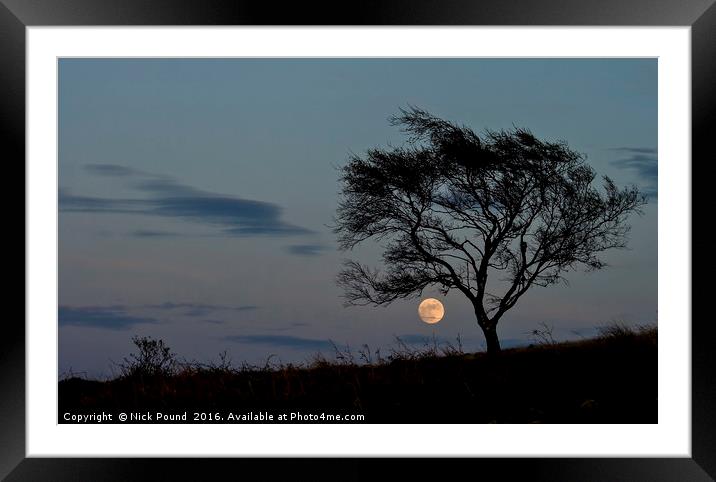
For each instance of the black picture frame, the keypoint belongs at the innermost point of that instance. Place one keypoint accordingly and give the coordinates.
(16, 15)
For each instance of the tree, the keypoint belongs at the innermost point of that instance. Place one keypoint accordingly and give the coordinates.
(456, 210)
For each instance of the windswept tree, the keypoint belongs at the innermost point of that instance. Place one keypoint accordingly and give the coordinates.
(488, 215)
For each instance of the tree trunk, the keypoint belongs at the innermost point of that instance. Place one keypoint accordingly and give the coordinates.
(489, 328)
(493, 342)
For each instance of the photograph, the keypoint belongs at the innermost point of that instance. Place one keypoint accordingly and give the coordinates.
(321, 240)
(357, 240)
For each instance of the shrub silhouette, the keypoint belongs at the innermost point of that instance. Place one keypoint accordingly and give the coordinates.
(154, 358)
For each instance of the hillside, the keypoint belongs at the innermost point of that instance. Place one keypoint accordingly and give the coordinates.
(608, 379)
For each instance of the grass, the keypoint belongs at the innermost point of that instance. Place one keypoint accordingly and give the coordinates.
(608, 379)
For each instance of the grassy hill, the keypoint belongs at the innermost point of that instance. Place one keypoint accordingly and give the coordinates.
(608, 379)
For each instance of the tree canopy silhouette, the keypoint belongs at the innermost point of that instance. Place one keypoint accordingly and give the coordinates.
(488, 215)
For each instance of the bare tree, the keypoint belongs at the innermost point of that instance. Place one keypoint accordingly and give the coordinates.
(455, 209)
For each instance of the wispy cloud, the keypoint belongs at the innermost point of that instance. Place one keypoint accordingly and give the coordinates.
(636, 150)
(147, 233)
(415, 339)
(291, 326)
(73, 203)
(643, 162)
(198, 309)
(282, 341)
(111, 170)
(168, 198)
(306, 249)
(108, 317)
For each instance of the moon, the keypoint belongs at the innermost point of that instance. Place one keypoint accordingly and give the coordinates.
(431, 310)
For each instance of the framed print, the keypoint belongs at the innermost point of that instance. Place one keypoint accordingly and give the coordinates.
(357, 233)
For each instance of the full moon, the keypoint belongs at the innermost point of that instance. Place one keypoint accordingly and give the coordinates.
(431, 310)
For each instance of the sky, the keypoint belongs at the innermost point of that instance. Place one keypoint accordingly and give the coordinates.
(196, 198)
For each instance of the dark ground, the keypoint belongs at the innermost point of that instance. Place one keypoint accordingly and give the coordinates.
(609, 379)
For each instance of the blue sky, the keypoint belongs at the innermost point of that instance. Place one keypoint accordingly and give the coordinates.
(195, 196)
